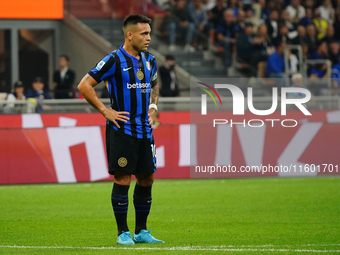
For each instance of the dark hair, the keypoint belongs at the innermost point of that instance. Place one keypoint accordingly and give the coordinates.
(18, 84)
(319, 43)
(279, 42)
(38, 79)
(282, 24)
(247, 7)
(136, 18)
(66, 57)
(248, 24)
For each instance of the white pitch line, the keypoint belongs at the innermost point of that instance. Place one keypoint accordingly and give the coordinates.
(271, 245)
(184, 248)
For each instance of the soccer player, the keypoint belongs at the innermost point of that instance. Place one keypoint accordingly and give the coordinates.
(130, 75)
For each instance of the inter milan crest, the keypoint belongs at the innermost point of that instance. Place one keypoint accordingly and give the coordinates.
(140, 75)
(122, 162)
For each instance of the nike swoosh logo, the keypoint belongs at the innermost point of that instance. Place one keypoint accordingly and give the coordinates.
(125, 69)
(149, 201)
(122, 203)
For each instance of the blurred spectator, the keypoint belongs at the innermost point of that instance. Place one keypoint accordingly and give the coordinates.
(318, 71)
(275, 64)
(296, 11)
(264, 11)
(307, 19)
(198, 16)
(337, 26)
(309, 4)
(318, 78)
(305, 51)
(179, 21)
(337, 9)
(264, 48)
(250, 15)
(272, 24)
(165, 4)
(37, 89)
(321, 51)
(293, 61)
(240, 22)
(278, 5)
(297, 82)
(291, 26)
(246, 53)
(329, 34)
(334, 52)
(336, 6)
(17, 94)
(167, 73)
(283, 35)
(301, 37)
(266, 44)
(216, 14)
(208, 4)
(63, 79)
(320, 24)
(37, 93)
(327, 11)
(311, 39)
(335, 77)
(226, 36)
(234, 5)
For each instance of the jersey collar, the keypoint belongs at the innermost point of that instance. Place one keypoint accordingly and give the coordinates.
(123, 50)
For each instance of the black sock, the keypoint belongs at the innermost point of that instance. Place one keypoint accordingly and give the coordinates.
(142, 202)
(119, 200)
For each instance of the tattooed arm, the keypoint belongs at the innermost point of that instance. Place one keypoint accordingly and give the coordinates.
(154, 92)
(154, 96)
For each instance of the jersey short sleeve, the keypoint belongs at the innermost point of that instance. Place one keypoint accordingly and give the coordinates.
(154, 70)
(104, 68)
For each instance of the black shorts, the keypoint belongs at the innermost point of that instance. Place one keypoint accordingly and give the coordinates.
(127, 154)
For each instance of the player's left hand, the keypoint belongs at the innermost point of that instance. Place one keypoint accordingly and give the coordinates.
(152, 116)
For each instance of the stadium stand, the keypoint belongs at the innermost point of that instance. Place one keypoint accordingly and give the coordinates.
(209, 61)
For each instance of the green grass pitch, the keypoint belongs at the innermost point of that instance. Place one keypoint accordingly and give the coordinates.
(215, 216)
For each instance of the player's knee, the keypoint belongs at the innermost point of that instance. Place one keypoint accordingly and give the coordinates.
(122, 179)
(145, 181)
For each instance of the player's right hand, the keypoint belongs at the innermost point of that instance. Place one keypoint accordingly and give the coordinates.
(115, 116)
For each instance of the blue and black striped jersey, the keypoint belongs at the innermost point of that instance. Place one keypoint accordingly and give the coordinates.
(128, 81)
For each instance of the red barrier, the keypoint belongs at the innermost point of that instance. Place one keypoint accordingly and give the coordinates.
(71, 147)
